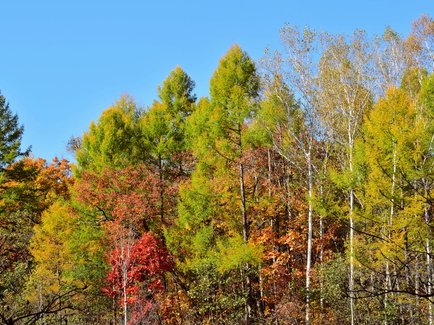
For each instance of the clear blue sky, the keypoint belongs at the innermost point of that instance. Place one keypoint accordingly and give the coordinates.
(63, 62)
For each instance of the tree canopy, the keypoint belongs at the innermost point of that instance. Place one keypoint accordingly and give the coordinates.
(300, 190)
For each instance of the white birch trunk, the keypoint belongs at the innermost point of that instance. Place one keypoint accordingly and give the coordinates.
(309, 235)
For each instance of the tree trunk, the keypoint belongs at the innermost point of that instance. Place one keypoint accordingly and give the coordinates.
(243, 204)
(428, 257)
(250, 303)
(161, 177)
(351, 280)
(124, 282)
(351, 217)
(309, 235)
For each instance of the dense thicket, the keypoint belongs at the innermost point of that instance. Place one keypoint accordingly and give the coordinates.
(300, 191)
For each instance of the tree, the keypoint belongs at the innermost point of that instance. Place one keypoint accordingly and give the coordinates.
(130, 194)
(297, 68)
(177, 93)
(234, 89)
(345, 80)
(213, 209)
(420, 43)
(29, 188)
(113, 140)
(123, 207)
(162, 131)
(136, 274)
(50, 280)
(395, 232)
(10, 135)
(391, 59)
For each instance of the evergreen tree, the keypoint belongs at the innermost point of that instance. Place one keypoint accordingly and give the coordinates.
(10, 135)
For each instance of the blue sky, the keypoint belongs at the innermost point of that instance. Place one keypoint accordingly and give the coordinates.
(63, 62)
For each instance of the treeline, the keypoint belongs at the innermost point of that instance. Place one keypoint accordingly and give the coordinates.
(300, 191)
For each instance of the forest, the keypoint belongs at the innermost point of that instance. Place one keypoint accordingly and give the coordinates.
(300, 191)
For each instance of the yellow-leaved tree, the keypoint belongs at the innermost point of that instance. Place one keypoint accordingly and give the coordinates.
(50, 283)
(391, 245)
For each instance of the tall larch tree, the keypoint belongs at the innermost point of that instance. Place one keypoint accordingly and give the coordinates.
(395, 150)
(234, 89)
(217, 138)
(112, 141)
(162, 134)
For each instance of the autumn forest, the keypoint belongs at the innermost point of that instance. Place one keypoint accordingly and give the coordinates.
(300, 191)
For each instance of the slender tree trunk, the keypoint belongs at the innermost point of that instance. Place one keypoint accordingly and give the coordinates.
(416, 282)
(429, 267)
(389, 225)
(59, 300)
(321, 257)
(243, 205)
(161, 177)
(114, 309)
(250, 303)
(386, 295)
(351, 217)
(124, 282)
(430, 279)
(274, 229)
(351, 280)
(408, 272)
(309, 235)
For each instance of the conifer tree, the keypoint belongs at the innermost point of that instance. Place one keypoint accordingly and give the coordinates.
(10, 135)
(395, 140)
(162, 135)
(214, 206)
(112, 141)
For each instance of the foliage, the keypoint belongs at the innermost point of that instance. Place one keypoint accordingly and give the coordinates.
(28, 188)
(136, 274)
(10, 135)
(300, 191)
(111, 141)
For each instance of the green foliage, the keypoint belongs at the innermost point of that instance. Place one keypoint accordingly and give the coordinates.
(10, 135)
(412, 81)
(279, 119)
(426, 100)
(235, 83)
(177, 93)
(251, 191)
(29, 187)
(207, 237)
(112, 141)
(396, 151)
(334, 292)
(233, 253)
(220, 125)
(88, 247)
(163, 125)
(193, 238)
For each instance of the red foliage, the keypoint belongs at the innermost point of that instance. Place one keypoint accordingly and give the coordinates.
(137, 269)
(130, 194)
